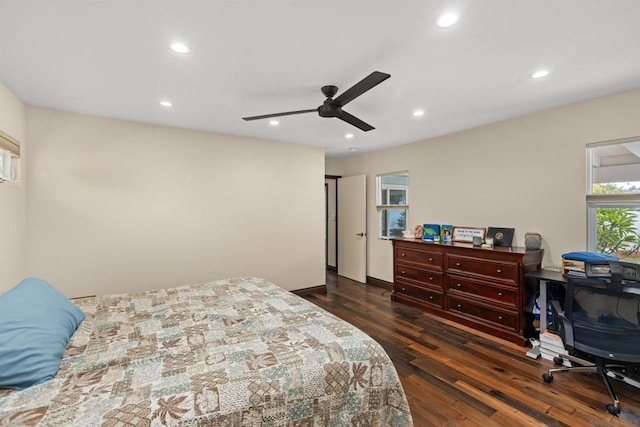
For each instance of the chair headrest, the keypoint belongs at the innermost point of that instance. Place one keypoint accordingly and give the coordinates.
(614, 271)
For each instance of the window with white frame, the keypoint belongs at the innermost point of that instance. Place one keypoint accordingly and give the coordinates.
(392, 199)
(9, 158)
(8, 169)
(613, 198)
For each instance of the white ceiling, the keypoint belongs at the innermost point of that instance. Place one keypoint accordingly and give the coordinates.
(111, 58)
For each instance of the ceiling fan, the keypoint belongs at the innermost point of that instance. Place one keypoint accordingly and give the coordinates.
(333, 107)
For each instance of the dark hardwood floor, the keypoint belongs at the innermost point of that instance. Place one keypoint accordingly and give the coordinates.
(457, 376)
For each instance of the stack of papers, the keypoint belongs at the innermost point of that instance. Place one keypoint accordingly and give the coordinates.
(551, 346)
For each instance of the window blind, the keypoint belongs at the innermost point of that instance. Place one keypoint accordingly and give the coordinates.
(9, 144)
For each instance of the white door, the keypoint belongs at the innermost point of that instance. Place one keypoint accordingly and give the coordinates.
(352, 228)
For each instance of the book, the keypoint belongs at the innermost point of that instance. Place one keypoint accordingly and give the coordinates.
(553, 348)
(552, 343)
(431, 232)
(551, 338)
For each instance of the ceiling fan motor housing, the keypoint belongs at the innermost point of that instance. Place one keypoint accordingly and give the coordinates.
(329, 91)
(329, 110)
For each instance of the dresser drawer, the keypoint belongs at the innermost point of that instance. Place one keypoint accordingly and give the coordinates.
(424, 258)
(420, 293)
(504, 294)
(483, 313)
(486, 267)
(418, 276)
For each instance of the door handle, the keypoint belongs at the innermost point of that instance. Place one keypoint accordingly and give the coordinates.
(360, 234)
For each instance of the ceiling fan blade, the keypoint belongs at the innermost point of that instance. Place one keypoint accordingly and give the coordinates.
(353, 120)
(359, 88)
(286, 113)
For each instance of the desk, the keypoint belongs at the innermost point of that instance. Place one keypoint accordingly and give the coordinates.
(544, 277)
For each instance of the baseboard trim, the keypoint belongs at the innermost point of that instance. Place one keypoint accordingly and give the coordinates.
(380, 283)
(332, 268)
(312, 290)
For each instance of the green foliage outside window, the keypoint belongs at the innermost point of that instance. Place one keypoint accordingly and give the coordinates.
(402, 221)
(616, 232)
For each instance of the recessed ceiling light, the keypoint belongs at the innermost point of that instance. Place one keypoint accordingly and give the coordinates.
(353, 149)
(179, 47)
(539, 74)
(447, 20)
(274, 122)
(418, 113)
(166, 103)
(349, 136)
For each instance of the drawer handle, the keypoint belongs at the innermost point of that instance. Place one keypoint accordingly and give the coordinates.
(430, 296)
(498, 271)
(499, 294)
(457, 264)
(402, 272)
(430, 259)
(431, 279)
(403, 289)
(459, 285)
(403, 254)
(459, 306)
(499, 317)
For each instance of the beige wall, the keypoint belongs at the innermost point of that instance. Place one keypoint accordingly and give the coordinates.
(528, 173)
(334, 165)
(118, 206)
(12, 197)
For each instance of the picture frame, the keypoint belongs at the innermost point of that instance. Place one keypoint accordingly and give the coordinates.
(466, 234)
(431, 232)
(502, 236)
(446, 233)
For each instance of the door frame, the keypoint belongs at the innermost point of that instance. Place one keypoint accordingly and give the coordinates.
(326, 219)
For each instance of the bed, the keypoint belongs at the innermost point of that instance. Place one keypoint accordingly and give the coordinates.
(236, 352)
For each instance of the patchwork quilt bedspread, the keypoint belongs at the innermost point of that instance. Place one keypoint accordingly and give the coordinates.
(236, 352)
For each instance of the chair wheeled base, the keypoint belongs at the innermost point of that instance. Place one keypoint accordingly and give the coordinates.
(603, 370)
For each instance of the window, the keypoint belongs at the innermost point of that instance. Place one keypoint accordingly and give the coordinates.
(393, 203)
(8, 169)
(9, 153)
(613, 198)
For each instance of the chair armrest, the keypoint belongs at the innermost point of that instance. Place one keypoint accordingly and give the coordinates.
(555, 308)
(563, 324)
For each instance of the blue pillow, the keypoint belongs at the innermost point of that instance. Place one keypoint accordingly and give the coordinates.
(36, 322)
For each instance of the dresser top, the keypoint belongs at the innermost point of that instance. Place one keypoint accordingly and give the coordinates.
(505, 249)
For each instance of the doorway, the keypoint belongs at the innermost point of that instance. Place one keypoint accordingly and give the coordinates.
(331, 221)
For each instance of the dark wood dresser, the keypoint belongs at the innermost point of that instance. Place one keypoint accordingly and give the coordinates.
(483, 288)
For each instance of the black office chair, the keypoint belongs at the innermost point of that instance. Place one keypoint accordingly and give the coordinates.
(601, 322)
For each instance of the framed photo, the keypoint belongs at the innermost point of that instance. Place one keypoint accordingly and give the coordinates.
(466, 234)
(446, 233)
